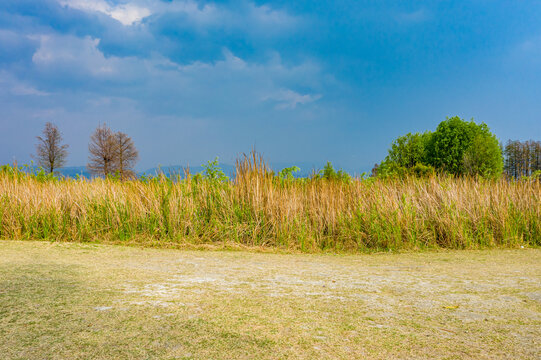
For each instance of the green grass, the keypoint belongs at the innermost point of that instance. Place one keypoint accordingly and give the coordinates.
(87, 301)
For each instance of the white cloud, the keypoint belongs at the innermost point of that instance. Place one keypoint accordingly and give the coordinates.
(265, 15)
(68, 63)
(126, 14)
(129, 14)
(9, 83)
(289, 99)
(206, 14)
(69, 54)
(233, 61)
(245, 15)
(48, 113)
(23, 90)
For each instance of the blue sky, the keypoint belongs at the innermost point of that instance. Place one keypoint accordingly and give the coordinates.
(303, 81)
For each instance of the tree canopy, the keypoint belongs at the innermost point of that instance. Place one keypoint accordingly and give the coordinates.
(409, 150)
(457, 147)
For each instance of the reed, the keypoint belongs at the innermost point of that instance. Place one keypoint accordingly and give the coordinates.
(258, 209)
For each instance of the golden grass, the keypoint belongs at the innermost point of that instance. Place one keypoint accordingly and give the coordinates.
(258, 209)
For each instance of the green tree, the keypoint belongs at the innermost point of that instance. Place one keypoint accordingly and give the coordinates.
(453, 148)
(449, 143)
(409, 150)
(484, 157)
(329, 173)
(457, 147)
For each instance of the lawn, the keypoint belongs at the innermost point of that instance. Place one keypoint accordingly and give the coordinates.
(87, 301)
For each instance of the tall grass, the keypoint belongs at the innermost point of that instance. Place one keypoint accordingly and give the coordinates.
(258, 209)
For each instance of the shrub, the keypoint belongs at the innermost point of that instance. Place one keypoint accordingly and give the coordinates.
(213, 172)
(328, 173)
(287, 173)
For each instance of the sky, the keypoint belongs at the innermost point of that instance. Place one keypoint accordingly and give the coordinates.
(302, 81)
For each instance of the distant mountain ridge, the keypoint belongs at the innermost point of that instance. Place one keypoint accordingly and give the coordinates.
(306, 169)
(229, 170)
(73, 171)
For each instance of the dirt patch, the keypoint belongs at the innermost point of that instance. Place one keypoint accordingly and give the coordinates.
(142, 303)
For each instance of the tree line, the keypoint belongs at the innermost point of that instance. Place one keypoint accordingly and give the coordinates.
(456, 147)
(110, 153)
(460, 147)
(522, 158)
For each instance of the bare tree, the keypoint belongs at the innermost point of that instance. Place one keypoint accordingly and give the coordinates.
(50, 153)
(522, 158)
(126, 155)
(103, 153)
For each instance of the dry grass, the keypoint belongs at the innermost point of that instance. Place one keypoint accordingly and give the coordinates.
(259, 210)
(85, 301)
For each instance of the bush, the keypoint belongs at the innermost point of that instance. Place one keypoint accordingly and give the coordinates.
(421, 170)
(213, 172)
(287, 173)
(328, 173)
(391, 170)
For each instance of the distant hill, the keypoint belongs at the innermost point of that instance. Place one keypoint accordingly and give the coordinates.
(306, 169)
(68, 171)
(229, 170)
(73, 171)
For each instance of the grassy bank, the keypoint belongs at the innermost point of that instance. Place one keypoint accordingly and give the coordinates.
(259, 209)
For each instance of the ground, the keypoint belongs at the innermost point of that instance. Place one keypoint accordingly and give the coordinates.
(85, 301)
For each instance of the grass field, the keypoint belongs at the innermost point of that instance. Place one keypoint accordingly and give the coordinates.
(88, 301)
(258, 209)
